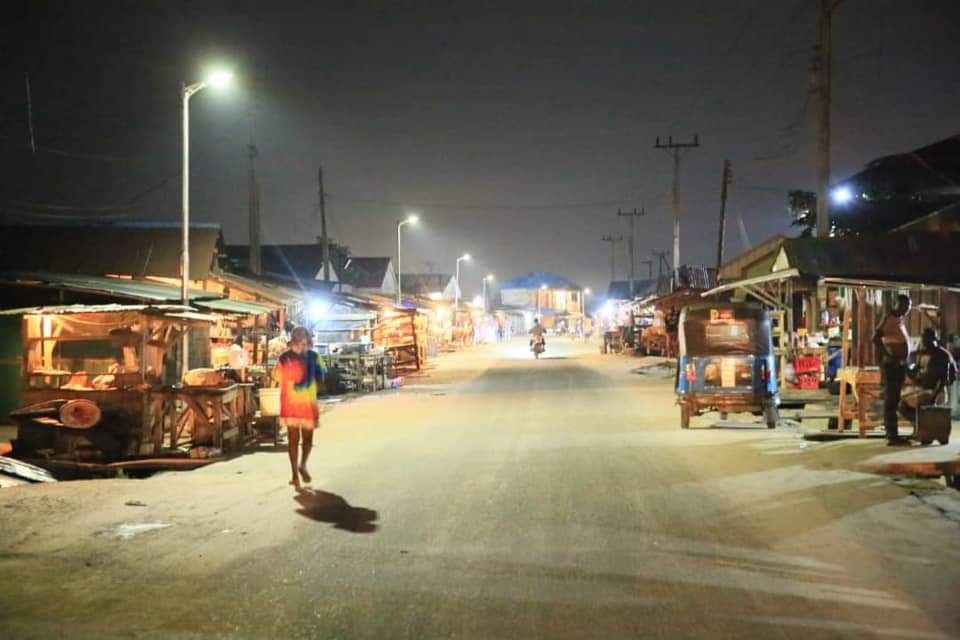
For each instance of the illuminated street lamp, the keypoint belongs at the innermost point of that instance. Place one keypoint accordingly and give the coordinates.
(542, 288)
(218, 79)
(487, 278)
(410, 219)
(456, 299)
(583, 301)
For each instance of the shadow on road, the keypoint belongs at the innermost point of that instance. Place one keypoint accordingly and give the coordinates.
(329, 507)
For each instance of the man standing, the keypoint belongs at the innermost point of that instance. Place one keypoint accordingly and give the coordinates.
(893, 346)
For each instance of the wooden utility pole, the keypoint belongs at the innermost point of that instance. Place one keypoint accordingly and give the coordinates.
(253, 212)
(723, 212)
(822, 80)
(675, 148)
(613, 240)
(632, 215)
(324, 238)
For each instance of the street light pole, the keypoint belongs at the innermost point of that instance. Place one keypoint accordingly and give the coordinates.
(456, 298)
(218, 79)
(410, 219)
(488, 277)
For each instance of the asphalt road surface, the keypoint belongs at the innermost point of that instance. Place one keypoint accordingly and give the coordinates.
(496, 497)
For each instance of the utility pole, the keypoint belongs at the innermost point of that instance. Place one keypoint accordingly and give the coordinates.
(32, 140)
(662, 262)
(324, 238)
(613, 254)
(253, 212)
(632, 215)
(649, 264)
(675, 148)
(821, 77)
(723, 211)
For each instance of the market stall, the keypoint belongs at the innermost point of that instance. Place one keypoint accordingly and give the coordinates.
(100, 385)
(402, 333)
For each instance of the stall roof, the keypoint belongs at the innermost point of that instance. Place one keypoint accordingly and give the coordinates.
(749, 282)
(165, 309)
(118, 287)
(929, 258)
(236, 307)
(262, 288)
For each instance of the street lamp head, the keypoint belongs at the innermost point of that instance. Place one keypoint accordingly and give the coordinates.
(466, 257)
(544, 287)
(587, 291)
(489, 277)
(413, 218)
(219, 78)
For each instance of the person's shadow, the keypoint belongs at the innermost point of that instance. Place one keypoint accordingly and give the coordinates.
(329, 507)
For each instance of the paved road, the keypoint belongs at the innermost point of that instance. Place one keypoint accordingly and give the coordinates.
(496, 498)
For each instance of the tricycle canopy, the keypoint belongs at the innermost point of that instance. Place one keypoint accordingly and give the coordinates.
(725, 328)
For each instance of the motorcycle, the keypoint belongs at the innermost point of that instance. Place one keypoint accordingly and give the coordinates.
(538, 345)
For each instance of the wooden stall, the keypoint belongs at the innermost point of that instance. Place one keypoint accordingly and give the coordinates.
(402, 334)
(100, 385)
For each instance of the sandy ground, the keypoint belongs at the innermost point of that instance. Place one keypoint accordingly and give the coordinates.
(496, 497)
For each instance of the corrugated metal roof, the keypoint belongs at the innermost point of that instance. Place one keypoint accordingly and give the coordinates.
(268, 290)
(237, 307)
(134, 250)
(167, 309)
(119, 287)
(909, 257)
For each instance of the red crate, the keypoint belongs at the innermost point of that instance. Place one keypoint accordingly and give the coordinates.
(809, 381)
(806, 364)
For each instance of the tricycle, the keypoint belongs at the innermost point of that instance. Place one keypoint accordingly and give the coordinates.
(726, 362)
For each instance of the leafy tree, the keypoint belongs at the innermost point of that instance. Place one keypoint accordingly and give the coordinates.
(802, 206)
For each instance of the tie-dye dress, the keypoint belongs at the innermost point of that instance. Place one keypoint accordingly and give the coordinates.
(298, 375)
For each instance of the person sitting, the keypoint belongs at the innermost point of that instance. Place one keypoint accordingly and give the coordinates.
(932, 374)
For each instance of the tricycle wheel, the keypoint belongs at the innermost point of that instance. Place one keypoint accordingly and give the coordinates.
(684, 416)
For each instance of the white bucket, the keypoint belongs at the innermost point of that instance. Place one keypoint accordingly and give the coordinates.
(269, 401)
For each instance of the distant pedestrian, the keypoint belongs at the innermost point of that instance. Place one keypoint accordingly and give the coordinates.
(893, 346)
(298, 372)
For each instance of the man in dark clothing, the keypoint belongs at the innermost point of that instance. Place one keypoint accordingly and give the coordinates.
(934, 372)
(893, 346)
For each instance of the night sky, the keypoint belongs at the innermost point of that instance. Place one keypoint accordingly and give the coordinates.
(516, 129)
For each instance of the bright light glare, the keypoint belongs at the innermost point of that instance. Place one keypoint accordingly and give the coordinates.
(489, 276)
(587, 291)
(607, 310)
(436, 295)
(477, 301)
(544, 287)
(841, 195)
(220, 78)
(413, 218)
(318, 309)
(466, 257)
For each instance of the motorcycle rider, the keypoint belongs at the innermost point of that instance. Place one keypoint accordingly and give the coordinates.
(537, 331)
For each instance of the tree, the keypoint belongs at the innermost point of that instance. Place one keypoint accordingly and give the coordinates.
(802, 206)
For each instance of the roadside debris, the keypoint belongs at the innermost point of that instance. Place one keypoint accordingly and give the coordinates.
(128, 530)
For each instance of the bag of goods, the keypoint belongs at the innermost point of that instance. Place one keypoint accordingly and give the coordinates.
(202, 378)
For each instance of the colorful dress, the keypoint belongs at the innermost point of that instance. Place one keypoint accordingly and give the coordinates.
(298, 375)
